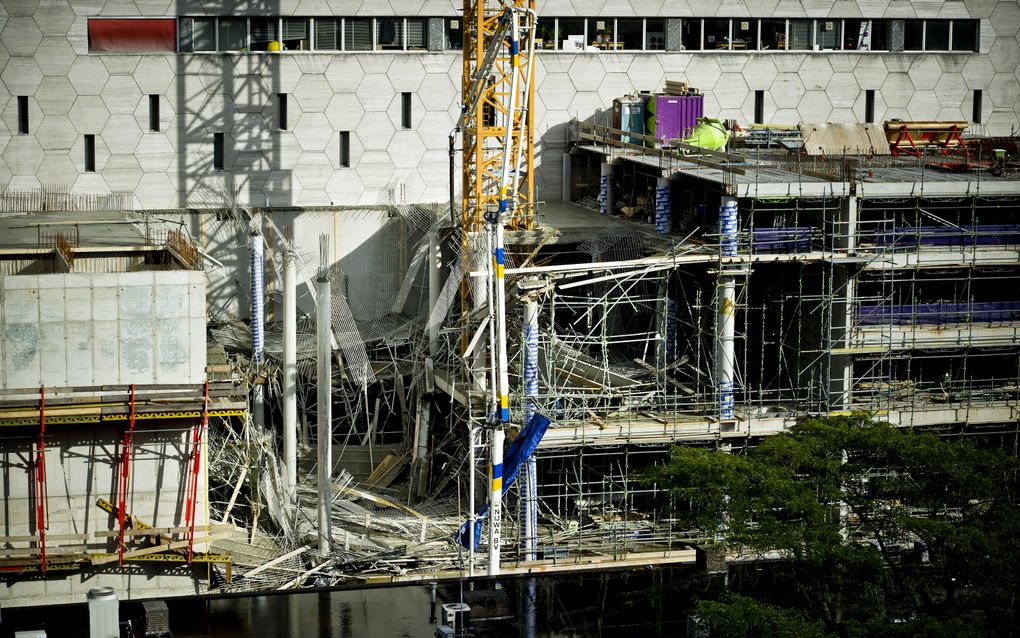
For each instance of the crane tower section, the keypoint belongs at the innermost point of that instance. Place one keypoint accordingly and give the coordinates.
(498, 97)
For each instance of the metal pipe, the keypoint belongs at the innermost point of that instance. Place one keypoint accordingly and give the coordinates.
(325, 414)
(290, 375)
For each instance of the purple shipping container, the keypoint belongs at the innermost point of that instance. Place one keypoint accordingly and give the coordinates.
(677, 115)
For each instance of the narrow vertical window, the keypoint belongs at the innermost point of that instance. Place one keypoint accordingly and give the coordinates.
(218, 151)
(281, 109)
(759, 107)
(869, 106)
(345, 149)
(405, 110)
(976, 115)
(154, 113)
(23, 114)
(90, 153)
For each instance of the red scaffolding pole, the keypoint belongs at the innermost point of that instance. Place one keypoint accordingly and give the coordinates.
(125, 474)
(191, 505)
(40, 479)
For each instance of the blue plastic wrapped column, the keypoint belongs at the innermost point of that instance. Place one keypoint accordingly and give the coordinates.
(663, 207)
(726, 315)
(606, 190)
(257, 297)
(529, 504)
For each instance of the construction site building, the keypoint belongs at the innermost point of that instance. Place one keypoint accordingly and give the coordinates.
(168, 174)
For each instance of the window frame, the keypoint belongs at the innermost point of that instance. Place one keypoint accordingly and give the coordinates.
(697, 26)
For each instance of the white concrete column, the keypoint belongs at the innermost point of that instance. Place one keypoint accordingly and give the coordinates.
(496, 439)
(290, 375)
(325, 416)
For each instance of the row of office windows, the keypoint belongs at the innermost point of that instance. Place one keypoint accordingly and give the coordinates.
(239, 34)
(751, 34)
(308, 34)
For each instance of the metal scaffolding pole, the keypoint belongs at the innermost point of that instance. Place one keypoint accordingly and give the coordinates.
(290, 375)
(325, 406)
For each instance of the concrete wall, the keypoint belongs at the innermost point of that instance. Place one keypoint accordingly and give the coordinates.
(82, 462)
(44, 55)
(102, 329)
(370, 246)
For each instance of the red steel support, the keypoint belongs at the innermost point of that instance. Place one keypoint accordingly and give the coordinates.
(40, 479)
(191, 505)
(125, 474)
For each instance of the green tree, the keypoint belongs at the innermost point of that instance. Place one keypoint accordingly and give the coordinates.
(865, 523)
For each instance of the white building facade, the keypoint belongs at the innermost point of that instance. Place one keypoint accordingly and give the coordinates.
(356, 106)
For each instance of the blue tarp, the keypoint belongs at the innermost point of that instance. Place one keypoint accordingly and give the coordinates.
(522, 447)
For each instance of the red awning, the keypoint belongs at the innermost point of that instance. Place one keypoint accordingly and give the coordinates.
(133, 35)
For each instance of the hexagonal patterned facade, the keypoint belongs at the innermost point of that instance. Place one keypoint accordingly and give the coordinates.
(72, 92)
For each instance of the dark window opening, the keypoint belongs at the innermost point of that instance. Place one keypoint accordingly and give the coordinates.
(690, 35)
(869, 106)
(759, 107)
(745, 35)
(296, 35)
(455, 35)
(358, 34)
(218, 151)
(717, 34)
(405, 110)
(281, 109)
(90, 153)
(976, 115)
(936, 35)
(965, 35)
(154, 113)
(773, 34)
(655, 35)
(23, 114)
(345, 149)
(913, 35)
(629, 33)
(327, 34)
(866, 35)
(571, 34)
(264, 36)
(390, 34)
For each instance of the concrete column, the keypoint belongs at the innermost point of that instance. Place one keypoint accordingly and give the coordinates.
(104, 613)
(847, 228)
(841, 365)
(325, 404)
(290, 375)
